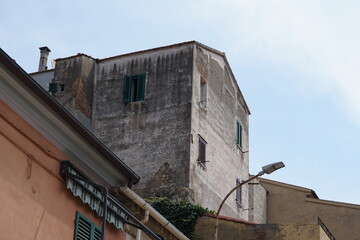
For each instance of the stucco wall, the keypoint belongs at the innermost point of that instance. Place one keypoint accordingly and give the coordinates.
(35, 203)
(237, 230)
(151, 136)
(291, 204)
(216, 124)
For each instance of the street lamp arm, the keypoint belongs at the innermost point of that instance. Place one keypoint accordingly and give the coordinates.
(223, 201)
(232, 190)
(265, 169)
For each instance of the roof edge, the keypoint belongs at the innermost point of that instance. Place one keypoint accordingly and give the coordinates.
(232, 219)
(286, 185)
(69, 119)
(333, 203)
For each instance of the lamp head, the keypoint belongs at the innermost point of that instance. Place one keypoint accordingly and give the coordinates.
(271, 168)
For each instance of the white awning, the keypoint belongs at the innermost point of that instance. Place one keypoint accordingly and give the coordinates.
(91, 194)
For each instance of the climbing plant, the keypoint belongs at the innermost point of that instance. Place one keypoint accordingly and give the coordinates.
(181, 214)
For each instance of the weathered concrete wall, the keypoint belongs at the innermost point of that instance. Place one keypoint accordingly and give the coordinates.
(151, 136)
(75, 78)
(237, 230)
(257, 202)
(159, 136)
(215, 121)
(292, 204)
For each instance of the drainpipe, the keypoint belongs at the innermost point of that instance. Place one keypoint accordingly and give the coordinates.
(143, 221)
(153, 213)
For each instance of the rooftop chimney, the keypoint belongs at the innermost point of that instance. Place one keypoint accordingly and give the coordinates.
(44, 53)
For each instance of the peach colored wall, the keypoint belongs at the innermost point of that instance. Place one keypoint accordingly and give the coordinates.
(34, 201)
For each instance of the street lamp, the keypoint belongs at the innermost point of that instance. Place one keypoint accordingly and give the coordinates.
(265, 169)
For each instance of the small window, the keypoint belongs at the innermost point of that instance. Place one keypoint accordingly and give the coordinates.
(202, 151)
(134, 88)
(203, 92)
(238, 193)
(85, 229)
(238, 134)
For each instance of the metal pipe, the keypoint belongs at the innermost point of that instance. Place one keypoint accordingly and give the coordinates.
(105, 192)
(153, 213)
(143, 221)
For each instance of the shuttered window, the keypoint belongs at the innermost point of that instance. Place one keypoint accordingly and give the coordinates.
(238, 134)
(85, 229)
(238, 192)
(202, 151)
(134, 88)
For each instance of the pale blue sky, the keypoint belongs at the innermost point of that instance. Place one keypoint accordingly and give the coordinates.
(296, 63)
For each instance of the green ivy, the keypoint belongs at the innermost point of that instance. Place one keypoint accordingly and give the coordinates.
(181, 214)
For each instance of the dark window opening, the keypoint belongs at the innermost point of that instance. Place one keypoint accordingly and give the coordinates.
(134, 88)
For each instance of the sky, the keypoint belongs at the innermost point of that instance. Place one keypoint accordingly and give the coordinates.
(296, 62)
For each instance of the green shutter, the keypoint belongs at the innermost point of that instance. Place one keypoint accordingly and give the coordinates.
(127, 89)
(85, 229)
(97, 233)
(140, 90)
(238, 134)
(53, 87)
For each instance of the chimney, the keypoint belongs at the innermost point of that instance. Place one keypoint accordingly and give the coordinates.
(44, 53)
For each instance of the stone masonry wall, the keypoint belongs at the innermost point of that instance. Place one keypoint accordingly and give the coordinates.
(75, 79)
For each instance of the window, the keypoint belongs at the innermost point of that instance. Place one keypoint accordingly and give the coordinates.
(85, 229)
(238, 134)
(202, 151)
(134, 88)
(203, 92)
(238, 192)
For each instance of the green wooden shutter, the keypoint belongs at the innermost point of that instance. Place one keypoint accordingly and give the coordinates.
(97, 233)
(240, 135)
(85, 229)
(140, 90)
(237, 133)
(127, 89)
(53, 87)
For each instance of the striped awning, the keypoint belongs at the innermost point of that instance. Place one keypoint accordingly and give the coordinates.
(95, 195)
(92, 194)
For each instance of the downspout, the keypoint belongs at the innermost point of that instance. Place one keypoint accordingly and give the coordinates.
(152, 212)
(143, 221)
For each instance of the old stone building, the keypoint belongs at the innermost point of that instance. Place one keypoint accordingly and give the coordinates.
(174, 114)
